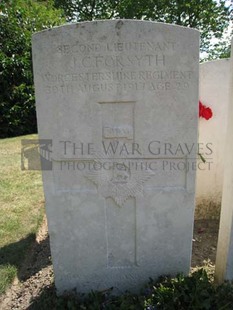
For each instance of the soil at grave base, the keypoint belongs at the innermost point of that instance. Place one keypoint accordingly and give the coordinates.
(36, 275)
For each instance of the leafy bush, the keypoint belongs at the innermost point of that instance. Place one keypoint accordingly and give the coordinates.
(181, 293)
(18, 20)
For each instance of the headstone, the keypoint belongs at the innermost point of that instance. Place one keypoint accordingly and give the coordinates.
(224, 258)
(119, 100)
(214, 90)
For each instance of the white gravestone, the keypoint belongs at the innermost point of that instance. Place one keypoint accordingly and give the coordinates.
(214, 90)
(224, 257)
(119, 99)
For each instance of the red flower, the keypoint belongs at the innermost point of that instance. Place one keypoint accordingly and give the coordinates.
(207, 114)
(201, 108)
(204, 111)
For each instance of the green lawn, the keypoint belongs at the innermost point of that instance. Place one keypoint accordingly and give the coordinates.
(21, 208)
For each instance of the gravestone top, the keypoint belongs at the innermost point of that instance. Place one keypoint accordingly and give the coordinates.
(119, 100)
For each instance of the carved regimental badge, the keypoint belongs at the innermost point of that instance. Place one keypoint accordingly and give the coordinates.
(119, 179)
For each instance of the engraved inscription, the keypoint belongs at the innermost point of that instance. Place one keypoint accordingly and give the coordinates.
(118, 61)
(118, 132)
(71, 83)
(108, 87)
(106, 67)
(96, 76)
(83, 48)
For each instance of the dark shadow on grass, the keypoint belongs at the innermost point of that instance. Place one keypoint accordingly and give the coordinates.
(27, 255)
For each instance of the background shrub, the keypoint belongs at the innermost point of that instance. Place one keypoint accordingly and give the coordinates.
(18, 20)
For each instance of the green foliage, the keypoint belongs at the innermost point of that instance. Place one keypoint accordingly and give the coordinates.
(76, 10)
(209, 16)
(219, 50)
(180, 293)
(18, 20)
(183, 293)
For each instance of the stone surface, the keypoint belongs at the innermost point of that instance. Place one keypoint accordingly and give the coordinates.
(224, 257)
(214, 87)
(119, 101)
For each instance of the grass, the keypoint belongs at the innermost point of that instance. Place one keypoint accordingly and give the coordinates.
(21, 208)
